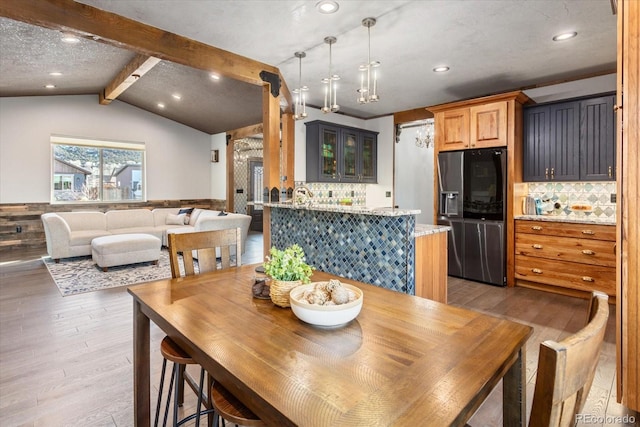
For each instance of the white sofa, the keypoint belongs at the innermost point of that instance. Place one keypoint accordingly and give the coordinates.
(69, 234)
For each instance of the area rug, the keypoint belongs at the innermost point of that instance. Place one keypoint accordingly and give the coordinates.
(80, 274)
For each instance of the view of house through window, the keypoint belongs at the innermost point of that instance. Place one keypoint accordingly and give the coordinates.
(96, 171)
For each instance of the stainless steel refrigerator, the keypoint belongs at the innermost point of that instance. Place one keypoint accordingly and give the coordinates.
(472, 201)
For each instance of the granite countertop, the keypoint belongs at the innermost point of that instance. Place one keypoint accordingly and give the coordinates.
(426, 229)
(577, 219)
(358, 210)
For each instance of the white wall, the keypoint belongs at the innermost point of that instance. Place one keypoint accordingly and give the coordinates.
(414, 176)
(219, 170)
(178, 157)
(376, 193)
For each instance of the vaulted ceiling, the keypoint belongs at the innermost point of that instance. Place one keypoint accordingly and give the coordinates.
(490, 46)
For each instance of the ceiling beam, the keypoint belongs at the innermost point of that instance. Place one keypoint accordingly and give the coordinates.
(99, 25)
(130, 74)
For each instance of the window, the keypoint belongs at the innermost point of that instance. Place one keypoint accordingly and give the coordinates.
(93, 171)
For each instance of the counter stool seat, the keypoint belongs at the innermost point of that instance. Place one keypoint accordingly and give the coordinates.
(227, 406)
(173, 353)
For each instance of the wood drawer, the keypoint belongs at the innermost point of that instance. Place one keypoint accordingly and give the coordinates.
(567, 229)
(584, 251)
(566, 274)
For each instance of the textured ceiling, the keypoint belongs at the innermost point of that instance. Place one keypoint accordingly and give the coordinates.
(491, 46)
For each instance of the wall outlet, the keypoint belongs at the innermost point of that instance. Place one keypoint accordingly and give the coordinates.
(613, 197)
(353, 193)
(19, 229)
(388, 194)
(330, 193)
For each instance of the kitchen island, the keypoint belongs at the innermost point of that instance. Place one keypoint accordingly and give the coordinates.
(371, 245)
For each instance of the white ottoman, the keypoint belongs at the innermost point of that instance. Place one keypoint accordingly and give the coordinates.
(121, 249)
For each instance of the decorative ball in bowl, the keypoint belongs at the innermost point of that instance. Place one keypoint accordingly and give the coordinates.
(326, 304)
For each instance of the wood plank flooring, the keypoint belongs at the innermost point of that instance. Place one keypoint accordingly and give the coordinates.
(68, 361)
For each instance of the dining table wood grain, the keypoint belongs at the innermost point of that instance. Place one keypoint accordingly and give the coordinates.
(403, 361)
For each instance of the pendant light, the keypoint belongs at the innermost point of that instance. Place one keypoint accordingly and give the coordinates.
(300, 107)
(331, 88)
(368, 91)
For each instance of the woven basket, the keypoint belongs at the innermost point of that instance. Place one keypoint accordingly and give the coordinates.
(280, 289)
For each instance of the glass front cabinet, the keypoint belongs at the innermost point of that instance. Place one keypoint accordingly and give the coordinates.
(340, 154)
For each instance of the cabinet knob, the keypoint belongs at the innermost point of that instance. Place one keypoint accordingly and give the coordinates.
(536, 246)
(589, 232)
(588, 252)
(536, 270)
(546, 173)
(588, 279)
(617, 107)
(536, 228)
(553, 172)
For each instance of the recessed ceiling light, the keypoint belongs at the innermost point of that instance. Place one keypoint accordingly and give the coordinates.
(70, 38)
(160, 105)
(441, 69)
(215, 77)
(177, 96)
(55, 73)
(327, 6)
(564, 36)
(50, 86)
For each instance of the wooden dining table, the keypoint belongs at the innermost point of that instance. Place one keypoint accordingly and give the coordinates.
(404, 361)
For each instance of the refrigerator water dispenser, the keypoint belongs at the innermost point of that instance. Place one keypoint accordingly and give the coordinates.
(449, 203)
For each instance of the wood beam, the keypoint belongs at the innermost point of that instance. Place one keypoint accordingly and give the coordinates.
(271, 157)
(408, 116)
(130, 74)
(245, 132)
(90, 22)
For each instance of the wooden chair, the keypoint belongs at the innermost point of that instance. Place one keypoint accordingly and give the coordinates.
(207, 244)
(566, 370)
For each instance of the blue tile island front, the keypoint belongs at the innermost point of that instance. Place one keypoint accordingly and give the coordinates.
(375, 246)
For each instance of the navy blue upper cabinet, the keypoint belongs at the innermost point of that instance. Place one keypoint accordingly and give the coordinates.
(340, 153)
(570, 141)
(597, 136)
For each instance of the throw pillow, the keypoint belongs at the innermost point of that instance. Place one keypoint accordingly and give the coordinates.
(222, 213)
(175, 219)
(187, 214)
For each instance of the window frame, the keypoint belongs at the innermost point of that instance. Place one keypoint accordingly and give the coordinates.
(99, 144)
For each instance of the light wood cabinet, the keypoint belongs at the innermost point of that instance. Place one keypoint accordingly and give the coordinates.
(578, 257)
(452, 129)
(488, 127)
(478, 126)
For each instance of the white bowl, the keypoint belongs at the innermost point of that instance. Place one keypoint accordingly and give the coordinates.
(325, 315)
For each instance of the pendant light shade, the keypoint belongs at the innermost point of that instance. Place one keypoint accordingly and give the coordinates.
(368, 91)
(330, 83)
(300, 106)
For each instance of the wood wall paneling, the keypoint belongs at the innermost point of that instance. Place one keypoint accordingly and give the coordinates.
(27, 216)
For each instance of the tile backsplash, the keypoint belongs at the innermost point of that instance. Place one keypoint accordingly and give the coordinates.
(331, 193)
(597, 194)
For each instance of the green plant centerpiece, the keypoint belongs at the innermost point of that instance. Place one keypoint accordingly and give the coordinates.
(287, 269)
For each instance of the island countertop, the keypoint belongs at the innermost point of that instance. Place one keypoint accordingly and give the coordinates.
(360, 210)
(426, 229)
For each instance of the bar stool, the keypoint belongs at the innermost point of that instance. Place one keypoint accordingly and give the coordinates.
(227, 406)
(172, 352)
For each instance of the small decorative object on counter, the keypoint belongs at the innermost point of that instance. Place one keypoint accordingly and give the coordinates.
(287, 269)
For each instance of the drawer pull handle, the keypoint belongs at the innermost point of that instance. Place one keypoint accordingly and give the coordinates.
(588, 279)
(536, 270)
(589, 232)
(546, 173)
(536, 227)
(536, 246)
(588, 252)
(610, 172)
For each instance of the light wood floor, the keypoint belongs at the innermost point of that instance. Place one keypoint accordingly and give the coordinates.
(68, 361)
